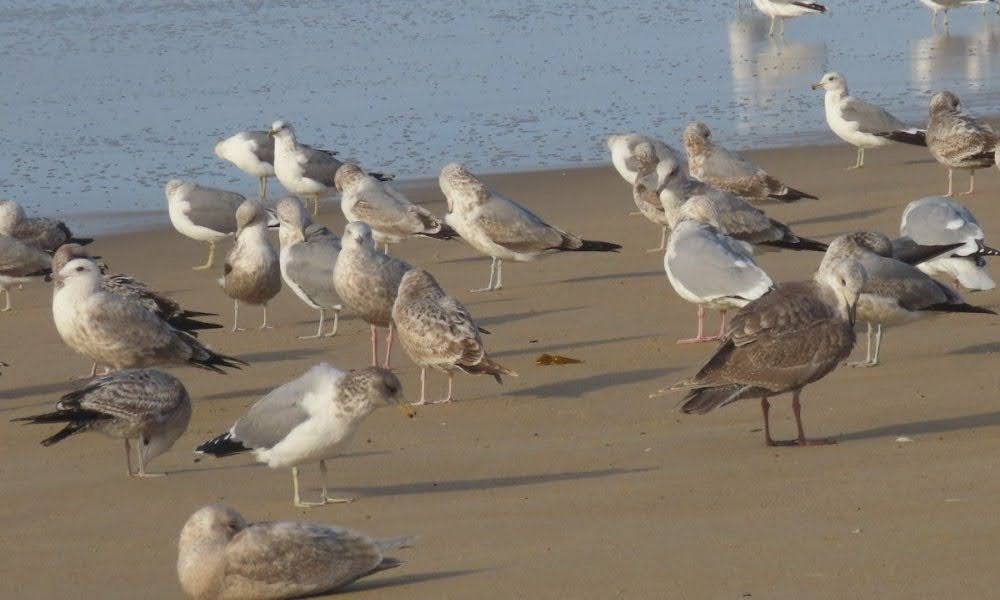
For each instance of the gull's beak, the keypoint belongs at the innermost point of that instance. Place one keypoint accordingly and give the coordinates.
(852, 313)
(817, 85)
(404, 406)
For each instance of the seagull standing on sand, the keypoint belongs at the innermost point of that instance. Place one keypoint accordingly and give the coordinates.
(145, 405)
(939, 221)
(307, 263)
(39, 232)
(252, 273)
(896, 292)
(861, 124)
(728, 171)
(304, 171)
(781, 342)
(623, 148)
(202, 213)
(645, 190)
(710, 269)
(222, 557)
(785, 9)
(367, 282)
(957, 140)
(20, 262)
(309, 419)
(120, 333)
(501, 228)
(253, 153)
(437, 331)
(390, 214)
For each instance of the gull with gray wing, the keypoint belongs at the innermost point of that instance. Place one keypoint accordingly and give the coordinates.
(624, 146)
(251, 152)
(779, 10)
(202, 213)
(39, 232)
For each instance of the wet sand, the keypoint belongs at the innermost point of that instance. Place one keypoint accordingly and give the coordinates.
(567, 481)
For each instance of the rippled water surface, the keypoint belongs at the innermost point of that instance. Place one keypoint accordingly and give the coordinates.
(104, 101)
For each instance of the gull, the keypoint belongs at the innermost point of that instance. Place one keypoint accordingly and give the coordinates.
(253, 153)
(736, 217)
(367, 282)
(957, 140)
(145, 405)
(728, 171)
(303, 170)
(646, 187)
(20, 262)
(896, 292)
(390, 214)
(39, 232)
(307, 262)
(311, 418)
(710, 269)
(944, 6)
(252, 273)
(939, 220)
(501, 228)
(861, 124)
(785, 9)
(202, 213)
(437, 331)
(623, 146)
(222, 557)
(781, 342)
(117, 332)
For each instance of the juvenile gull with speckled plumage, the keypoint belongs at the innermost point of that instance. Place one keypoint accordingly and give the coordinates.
(309, 419)
(39, 232)
(957, 140)
(252, 273)
(145, 405)
(222, 557)
(202, 213)
(437, 331)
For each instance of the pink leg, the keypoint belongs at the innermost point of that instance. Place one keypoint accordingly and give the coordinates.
(722, 327)
(701, 330)
(765, 407)
(374, 347)
(451, 380)
(802, 441)
(388, 347)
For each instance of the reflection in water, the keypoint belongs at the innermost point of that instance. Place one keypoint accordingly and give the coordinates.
(944, 59)
(765, 69)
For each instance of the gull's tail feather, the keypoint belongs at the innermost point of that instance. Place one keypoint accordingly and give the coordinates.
(702, 400)
(790, 194)
(443, 232)
(593, 246)
(77, 420)
(985, 250)
(914, 137)
(959, 307)
(811, 6)
(220, 446)
(381, 176)
(488, 366)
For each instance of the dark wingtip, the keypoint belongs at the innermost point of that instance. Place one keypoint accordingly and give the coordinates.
(792, 194)
(215, 361)
(444, 232)
(81, 241)
(596, 246)
(798, 243)
(381, 176)
(916, 137)
(961, 307)
(220, 446)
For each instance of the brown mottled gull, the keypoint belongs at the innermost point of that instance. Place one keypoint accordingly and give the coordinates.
(367, 281)
(202, 213)
(252, 273)
(896, 292)
(437, 331)
(731, 172)
(710, 269)
(39, 232)
(781, 342)
(390, 214)
(117, 332)
(308, 419)
(222, 557)
(645, 190)
(501, 228)
(20, 262)
(145, 405)
(957, 140)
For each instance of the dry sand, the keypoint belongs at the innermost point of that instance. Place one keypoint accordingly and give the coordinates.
(568, 481)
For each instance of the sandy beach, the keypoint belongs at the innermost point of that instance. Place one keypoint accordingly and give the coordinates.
(568, 481)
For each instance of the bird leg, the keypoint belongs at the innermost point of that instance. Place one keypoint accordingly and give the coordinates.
(336, 321)
(319, 330)
(451, 381)
(6, 308)
(325, 495)
(972, 183)
(951, 176)
(701, 330)
(128, 458)
(236, 316)
(722, 326)
(262, 188)
(315, 206)
(423, 387)
(388, 347)
(663, 242)
(782, 19)
(493, 273)
(264, 325)
(871, 359)
(374, 346)
(860, 162)
(770, 32)
(142, 474)
(802, 441)
(765, 407)
(211, 259)
(499, 274)
(385, 248)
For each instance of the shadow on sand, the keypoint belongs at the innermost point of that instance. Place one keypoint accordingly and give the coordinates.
(932, 426)
(592, 383)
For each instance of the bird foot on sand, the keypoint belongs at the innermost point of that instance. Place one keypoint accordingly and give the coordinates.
(863, 364)
(698, 340)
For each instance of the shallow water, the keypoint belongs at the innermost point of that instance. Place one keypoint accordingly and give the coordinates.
(104, 101)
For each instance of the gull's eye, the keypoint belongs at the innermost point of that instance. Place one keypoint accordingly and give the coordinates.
(80, 269)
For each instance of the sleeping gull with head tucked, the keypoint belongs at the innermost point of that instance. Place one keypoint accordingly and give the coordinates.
(202, 213)
(501, 228)
(39, 232)
(625, 146)
(437, 331)
(309, 419)
(783, 341)
(390, 214)
(957, 140)
(710, 269)
(253, 153)
(860, 123)
(145, 405)
(252, 273)
(308, 256)
(223, 557)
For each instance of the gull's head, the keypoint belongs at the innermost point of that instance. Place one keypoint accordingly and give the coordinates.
(251, 212)
(292, 218)
(214, 523)
(416, 283)
(832, 81)
(667, 170)
(66, 253)
(847, 279)
(944, 101)
(82, 270)
(11, 214)
(376, 386)
(281, 128)
(174, 187)
(697, 134)
(347, 175)
(358, 234)
(701, 209)
(645, 155)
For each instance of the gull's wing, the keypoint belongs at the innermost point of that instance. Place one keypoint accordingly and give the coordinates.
(514, 227)
(870, 118)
